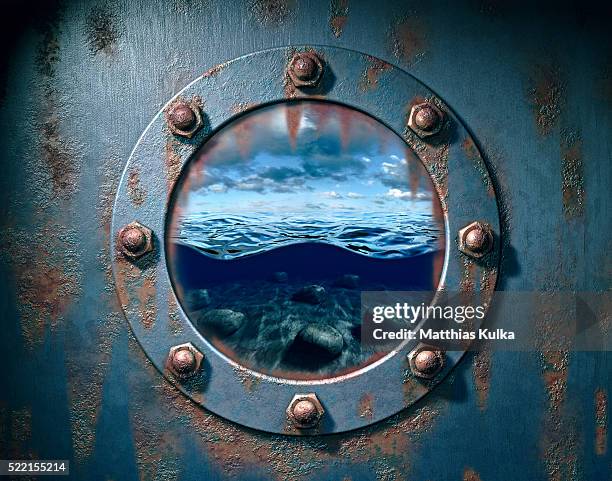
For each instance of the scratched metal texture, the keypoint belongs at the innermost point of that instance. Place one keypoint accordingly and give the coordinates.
(80, 83)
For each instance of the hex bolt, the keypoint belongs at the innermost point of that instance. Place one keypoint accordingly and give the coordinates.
(184, 118)
(135, 240)
(476, 239)
(184, 360)
(425, 119)
(426, 361)
(305, 69)
(305, 411)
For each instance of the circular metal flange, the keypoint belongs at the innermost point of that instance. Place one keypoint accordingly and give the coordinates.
(144, 287)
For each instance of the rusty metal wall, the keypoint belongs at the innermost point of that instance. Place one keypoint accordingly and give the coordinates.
(81, 81)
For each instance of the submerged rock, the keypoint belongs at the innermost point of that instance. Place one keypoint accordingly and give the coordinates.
(321, 339)
(279, 277)
(196, 299)
(310, 294)
(221, 321)
(348, 281)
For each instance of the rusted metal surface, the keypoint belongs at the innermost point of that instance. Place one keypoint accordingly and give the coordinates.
(305, 69)
(144, 294)
(426, 362)
(77, 383)
(475, 239)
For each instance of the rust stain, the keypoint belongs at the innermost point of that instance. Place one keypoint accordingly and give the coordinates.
(62, 162)
(173, 315)
(365, 409)
(47, 275)
(481, 371)
(242, 107)
(558, 439)
(547, 96)
(172, 164)
(338, 17)
(470, 475)
(293, 116)
(472, 153)
(407, 40)
(601, 422)
(247, 379)
(135, 191)
(272, 12)
(146, 298)
(86, 374)
(236, 451)
(214, 71)
(369, 78)
(468, 276)
(572, 176)
(102, 31)
(433, 156)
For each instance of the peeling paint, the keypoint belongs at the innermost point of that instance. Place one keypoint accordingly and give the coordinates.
(572, 176)
(470, 475)
(481, 374)
(272, 12)
(601, 422)
(369, 78)
(339, 11)
(547, 96)
(407, 39)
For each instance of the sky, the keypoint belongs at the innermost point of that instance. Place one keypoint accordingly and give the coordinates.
(307, 157)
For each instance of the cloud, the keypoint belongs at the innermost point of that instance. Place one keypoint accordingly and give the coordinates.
(332, 195)
(217, 188)
(355, 195)
(399, 194)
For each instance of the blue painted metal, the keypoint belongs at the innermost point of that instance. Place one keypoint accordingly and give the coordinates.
(533, 86)
(223, 386)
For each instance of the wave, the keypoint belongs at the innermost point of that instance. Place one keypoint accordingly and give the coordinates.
(374, 234)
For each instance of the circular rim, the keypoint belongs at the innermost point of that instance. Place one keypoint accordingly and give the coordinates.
(356, 80)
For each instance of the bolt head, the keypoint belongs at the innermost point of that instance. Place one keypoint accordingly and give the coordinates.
(135, 240)
(184, 118)
(426, 361)
(305, 69)
(184, 360)
(305, 411)
(425, 119)
(476, 239)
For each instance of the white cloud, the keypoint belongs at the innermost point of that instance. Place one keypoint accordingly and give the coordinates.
(399, 194)
(332, 195)
(354, 195)
(217, 188)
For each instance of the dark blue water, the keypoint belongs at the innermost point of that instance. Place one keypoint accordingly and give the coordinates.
(316, 263)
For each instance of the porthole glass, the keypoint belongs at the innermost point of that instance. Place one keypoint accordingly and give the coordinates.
(280, 221)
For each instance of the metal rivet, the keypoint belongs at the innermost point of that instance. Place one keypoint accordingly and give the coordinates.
(426, 362)
(184, 360)
(305, 411)
(135, 240)
(305, 69)
(475, 239)
(184, 119)
(425, 119)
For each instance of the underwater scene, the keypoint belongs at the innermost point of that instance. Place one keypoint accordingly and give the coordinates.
(283, 218)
